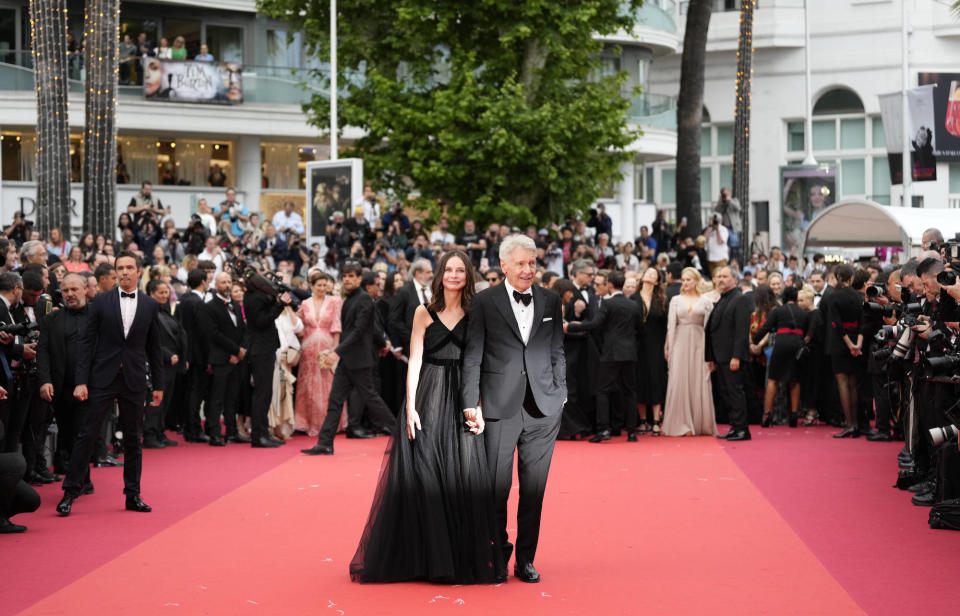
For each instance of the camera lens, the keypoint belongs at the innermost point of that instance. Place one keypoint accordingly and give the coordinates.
(946, 278)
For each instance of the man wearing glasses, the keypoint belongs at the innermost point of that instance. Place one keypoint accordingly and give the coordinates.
(493, 276)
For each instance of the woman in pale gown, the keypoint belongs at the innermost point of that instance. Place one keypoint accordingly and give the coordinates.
(321, 334)
(689, 406)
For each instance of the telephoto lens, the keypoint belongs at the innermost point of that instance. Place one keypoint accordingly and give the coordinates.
(939, 436)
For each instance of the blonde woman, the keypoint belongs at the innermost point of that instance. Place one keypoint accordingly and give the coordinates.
(688, 410)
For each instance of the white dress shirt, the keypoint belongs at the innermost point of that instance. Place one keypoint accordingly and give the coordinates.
(817, 296)
(523, 314)
(423, 291)
(282, 221)
(229, 305)
(128, 310)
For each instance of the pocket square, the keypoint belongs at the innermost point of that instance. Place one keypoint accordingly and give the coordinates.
(547, 319)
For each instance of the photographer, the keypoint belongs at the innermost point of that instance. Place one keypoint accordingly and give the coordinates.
(144, 205)
(718, 251)
(195, 236)
(19, 231)
(37, 412)
(15, 351)
(878, 310)
(287, 222)
(885, 375)
(233, 210)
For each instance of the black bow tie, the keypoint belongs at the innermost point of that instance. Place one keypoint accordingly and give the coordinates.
(526, 298)
(130, 295)
(818, 294)
(584, 289)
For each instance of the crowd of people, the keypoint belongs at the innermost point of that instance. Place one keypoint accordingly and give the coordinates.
(259, 335)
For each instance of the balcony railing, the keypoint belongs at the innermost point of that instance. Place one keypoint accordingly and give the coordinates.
(660, 14)
(653, 110)
(279, 85)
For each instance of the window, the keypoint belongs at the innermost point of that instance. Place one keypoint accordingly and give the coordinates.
(725, 140)
(837, 101)
(825, 135)
(642, 70)
(879, 137)
(668, 186)
(649, 195)
(853, 134)
(225, 43)
(881, 180)
(17, 153)
(706, 144)
(706, 183)
(189, 29)
(638, 178)
(726, 175)
(954, 178)
(795, 137)
(282, 52)
(853, 177)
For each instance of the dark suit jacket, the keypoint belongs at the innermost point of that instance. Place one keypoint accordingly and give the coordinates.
(673, 289)
(103, 348)
(51, 352)
(359, 339)
(728, 328)
(225, 338)
(403, 305)
(497, 366)
(620, 323)
(173, 341)
(262, 312)
(14, 350)
(195, 323)
(279, 250)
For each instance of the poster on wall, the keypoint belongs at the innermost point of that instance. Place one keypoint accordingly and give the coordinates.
(804, 192)
(188, 81)
(945, 92)
(332, 186)
(922, 137)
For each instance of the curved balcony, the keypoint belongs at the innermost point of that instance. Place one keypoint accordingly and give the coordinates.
(655, 27)
(656, 116)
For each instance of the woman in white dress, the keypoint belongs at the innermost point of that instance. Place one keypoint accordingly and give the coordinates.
(689, 407)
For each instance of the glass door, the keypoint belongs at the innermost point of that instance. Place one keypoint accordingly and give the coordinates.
(225, 43)
(8, 35)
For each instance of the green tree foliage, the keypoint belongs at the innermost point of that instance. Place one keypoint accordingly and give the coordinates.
(495, 107)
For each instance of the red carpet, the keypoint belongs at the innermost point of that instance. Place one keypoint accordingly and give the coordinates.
(664, 526)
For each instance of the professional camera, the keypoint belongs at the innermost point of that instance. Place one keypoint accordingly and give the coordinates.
(943, 365)
(876, 290)
(27, 330)
(883, 310)
(944, 433)
(268, 283)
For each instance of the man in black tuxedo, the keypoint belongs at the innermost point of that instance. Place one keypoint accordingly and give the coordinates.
(620, 322)
(173, 347)
(357, 357)
(263, 341)
(582, 351)
(726, 348)
(674, 273)
(57, 348)
(196, 324)
(112, 358)
(226, 338)
(514, 364)
(404, 304)
(15, 351)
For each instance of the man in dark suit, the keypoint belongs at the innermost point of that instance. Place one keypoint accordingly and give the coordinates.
(620, 322)
(356, 355)
(263, 341)
(112, 366)
(726, 348)
(60, 334)
(674, 273)
(195, 322)
(173, 347)
(514, 364)
(582, 351)
(404, 304)
(226, 338)
(14, 352)
(370, 283)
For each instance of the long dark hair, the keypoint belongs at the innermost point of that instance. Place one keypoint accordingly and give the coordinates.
(765, 300)
(659, 296)
(436, 287)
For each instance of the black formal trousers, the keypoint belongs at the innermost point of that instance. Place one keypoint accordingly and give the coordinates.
(18, 405)
(199, 383)
(617, 380)
(222, 402)
(155, 421)
(69, 413)
(732, 394)
(533, 435)
(346, 381)
(884, 390)
(16, 495)
(99, 404)
(261, 367)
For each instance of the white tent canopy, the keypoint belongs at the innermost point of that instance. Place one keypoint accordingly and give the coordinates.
(859, 223)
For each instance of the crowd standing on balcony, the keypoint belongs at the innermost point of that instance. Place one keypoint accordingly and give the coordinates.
(664, 333)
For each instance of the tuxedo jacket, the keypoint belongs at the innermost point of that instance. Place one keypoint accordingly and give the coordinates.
(620, 324)
(173, 341)
(51, 351)
(403, 305)
(359, 339)
(225, 338)
(261, 311)
(497, 366)
(728, 328)
(14, 350)
(104, 349)
(195, 323)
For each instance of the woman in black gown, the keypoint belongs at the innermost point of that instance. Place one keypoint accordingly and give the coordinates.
(432, 516)
(652, 362)
(574, 422)
(845, 346)
(789, 323)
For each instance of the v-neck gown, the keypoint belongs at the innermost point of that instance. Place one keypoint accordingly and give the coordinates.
(432, 516)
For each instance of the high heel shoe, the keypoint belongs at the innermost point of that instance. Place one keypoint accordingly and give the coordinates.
(812, 419)
(655, 431)
(794, 419)
(848, 432)
(765, 421)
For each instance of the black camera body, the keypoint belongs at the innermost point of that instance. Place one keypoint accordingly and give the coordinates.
(27, 330)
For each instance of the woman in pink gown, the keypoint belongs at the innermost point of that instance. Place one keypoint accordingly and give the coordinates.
(321, 333)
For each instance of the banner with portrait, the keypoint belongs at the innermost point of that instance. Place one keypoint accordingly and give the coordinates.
(332, 186)
(921, 128)
(805, 191)
(189, 81)
(945, 93)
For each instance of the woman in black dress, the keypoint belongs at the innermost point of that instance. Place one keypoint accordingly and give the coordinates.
(845, 347)
(814, 367)
(573, 422)
(652, 362)
(789, 324)
(432, 516)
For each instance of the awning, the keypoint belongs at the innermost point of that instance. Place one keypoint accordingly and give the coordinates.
(860, 223)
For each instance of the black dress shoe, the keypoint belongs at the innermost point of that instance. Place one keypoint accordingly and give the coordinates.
(850, 432)
(36, 480)
(599, 437)
(240, 440)
(152, 443)
(631, 437)
(922, 487)
(107, 460)
(46, 475)
(318, 450)
(882, 437)
(742, 435)
(66, 504)
(216, 441)
(727, 435)
(196, 438)
(526, 573)
(266, 441)
(925, 499)
(87, 489)
(7, 527)
(169, 442)
(135, 504)
(360, 433)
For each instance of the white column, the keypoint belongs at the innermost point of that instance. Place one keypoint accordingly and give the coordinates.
(626, 232)
(249, 174)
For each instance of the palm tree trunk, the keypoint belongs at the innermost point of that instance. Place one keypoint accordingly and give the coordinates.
(690, 113)
(101, 23)
(48, 29)
(741, 126)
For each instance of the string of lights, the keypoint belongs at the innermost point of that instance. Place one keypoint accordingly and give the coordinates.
(741, 125)
(101, 33)
(48, 31)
